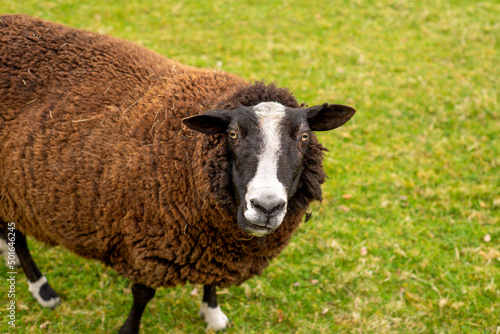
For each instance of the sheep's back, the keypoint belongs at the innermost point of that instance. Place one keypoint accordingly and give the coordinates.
(42, 60)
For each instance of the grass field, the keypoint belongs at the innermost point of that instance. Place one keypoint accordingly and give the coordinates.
(407, 239)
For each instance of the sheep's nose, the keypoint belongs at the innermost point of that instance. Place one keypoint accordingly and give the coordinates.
(269, 206)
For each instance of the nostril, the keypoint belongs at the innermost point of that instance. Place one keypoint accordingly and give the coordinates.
(278, 207)
(259, 206)
(268, 208)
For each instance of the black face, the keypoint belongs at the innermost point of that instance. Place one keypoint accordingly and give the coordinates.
(267, 144)
(267, 148)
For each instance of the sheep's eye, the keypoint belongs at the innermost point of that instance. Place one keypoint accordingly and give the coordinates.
(304, 137)
(233, 134)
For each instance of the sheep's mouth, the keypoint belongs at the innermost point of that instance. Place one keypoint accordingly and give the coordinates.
(256, 230)
(250, 228)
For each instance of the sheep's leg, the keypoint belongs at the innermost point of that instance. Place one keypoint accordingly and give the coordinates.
(4, 247)
(142, 295)
(210, 311)
(38, 285)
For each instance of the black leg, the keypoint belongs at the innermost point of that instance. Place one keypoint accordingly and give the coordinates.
(210, 310)
(38, 285)
(210, 295)
(142, 295)
(29, 266)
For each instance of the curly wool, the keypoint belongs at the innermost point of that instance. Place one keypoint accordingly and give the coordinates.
(94, 157)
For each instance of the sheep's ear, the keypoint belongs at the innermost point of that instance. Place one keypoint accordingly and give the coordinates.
(328, 116)
(210, 122)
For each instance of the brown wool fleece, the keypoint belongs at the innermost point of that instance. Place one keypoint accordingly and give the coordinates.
(94, 157)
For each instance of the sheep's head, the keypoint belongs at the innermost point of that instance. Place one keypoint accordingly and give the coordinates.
(267, 144)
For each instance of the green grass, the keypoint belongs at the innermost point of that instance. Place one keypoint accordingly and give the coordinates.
(398, 244)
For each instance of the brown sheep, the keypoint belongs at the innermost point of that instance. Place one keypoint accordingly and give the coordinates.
(94, 156)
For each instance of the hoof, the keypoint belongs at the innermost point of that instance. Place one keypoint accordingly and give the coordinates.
(43, 293)
(214, 317)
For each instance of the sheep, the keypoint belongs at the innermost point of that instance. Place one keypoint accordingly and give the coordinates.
(164, 172)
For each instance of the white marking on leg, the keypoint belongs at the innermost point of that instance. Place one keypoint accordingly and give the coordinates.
(214, 317)
(4, 249)
(34, 288)
(265, 183)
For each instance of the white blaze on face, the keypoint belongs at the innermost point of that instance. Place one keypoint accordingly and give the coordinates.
(265, 186)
